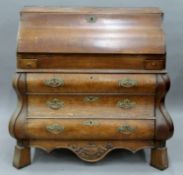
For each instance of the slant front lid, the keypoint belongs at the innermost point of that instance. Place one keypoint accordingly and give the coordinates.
(91, 30)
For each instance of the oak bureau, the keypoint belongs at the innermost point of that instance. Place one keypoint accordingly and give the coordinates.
(91, 80)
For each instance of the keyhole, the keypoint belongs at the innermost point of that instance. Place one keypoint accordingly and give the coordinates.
(29, 65)
(153, 64)
(91, 19)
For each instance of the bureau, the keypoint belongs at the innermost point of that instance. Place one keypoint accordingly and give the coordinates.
(91, 80)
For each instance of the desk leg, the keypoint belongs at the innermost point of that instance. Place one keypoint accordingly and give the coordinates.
(22, 156)
(159, 158)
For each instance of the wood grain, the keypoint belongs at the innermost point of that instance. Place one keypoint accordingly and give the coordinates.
(91, 83)
(22, 156)
(159, 158)
(106, 106)
(90, 61)
(111, 33)
(75, 129)
(89, 51)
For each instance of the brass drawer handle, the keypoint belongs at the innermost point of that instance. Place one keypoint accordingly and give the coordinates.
(54, 82)
(55, 103)
(127, 83)
(90, 123)
(91, 98)
(126, 104)
(126, 129)
(55, 128)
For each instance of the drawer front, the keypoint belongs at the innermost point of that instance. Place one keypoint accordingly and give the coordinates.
(90, 61)
(89, 129)
(154, 64)
(83, 106)
(88, 83)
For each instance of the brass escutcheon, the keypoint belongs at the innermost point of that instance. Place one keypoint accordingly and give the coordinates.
(91, 98)
(54, 82)
(126, 104)
(126, 129)
(90, 123)
(91, 19)
(127, 83)
(55, 103)
(55, 128)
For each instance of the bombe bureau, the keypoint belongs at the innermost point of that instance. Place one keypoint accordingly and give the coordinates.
(91, 80)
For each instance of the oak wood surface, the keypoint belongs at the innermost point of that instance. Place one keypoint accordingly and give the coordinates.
(159, 158)
(95, 10)
(75, 129)
(22, 156)
(95, 83)
(71, 67)
(105, 106)
(90, 61)
(130, 32)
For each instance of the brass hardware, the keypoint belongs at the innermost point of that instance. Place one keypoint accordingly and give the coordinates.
(154, 64)
(90, 123)
(91, 98)
(27, 63)
(55, 103)
(126, 104)
(91, 19)
(126, 82)
(126, 129)
(55, 128)
(54, 82)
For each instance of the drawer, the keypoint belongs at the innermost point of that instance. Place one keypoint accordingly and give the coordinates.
(91, 83)
(89, 129)
(85, 106)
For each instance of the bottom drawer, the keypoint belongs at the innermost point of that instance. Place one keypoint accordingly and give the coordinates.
(112, 129)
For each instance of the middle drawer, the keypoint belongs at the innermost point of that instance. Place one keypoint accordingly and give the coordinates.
(90, 83)
(83, 106)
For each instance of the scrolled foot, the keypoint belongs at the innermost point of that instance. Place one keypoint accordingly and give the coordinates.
(21, 157)
(159, 158)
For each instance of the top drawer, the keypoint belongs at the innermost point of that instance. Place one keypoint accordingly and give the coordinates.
(90, 83)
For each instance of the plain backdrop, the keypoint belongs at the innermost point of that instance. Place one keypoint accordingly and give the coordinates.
(120, 161)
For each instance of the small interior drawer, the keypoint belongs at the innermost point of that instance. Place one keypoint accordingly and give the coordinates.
(154, 64)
